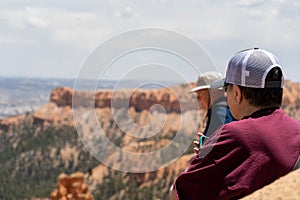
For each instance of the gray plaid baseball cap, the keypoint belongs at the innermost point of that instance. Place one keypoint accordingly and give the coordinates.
(250, 67)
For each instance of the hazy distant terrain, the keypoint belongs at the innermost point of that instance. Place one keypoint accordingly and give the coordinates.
(20, 95)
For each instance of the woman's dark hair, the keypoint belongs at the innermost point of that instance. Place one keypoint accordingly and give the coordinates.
(266, 97)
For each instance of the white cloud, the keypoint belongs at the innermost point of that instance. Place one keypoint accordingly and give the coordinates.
(8, 40)
(126, 12)
(248, 3)
(60, 26)
(36, 22)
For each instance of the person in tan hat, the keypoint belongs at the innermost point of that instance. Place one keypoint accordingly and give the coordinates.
(212, 100)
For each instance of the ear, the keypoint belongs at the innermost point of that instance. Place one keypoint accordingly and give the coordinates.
(237, 94)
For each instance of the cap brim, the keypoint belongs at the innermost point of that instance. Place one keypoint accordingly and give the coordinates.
(200, 88)
(218, 84)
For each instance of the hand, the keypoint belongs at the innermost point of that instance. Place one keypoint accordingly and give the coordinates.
(196, 143)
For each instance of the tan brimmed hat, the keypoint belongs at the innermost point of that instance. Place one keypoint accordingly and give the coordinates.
(205, 80)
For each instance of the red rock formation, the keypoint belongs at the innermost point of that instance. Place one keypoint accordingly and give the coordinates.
(62, 96)
(139, 99)
(173, 100)
(71, 188)
(143, 99)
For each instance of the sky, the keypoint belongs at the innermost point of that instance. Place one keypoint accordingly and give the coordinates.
(53, 39)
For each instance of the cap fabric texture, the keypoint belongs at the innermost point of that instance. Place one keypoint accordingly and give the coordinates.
(250, 67)
(205, 80)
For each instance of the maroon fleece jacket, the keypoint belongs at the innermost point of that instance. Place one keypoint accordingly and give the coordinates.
(241, 157)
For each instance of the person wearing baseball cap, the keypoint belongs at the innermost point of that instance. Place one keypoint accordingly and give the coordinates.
(213, 101)
(245, 155)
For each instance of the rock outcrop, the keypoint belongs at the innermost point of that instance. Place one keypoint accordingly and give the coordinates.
(71, 188)
(172, 99)
(169, 100)
(62, 96)
(286, 187)
(175, 99)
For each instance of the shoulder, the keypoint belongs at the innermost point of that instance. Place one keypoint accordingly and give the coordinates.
(277, 119)
(220, 105)
(219, 108)
(285, 120)
(237, 130)
(280, 113)
(235, 126)
(221, 102)
(248, 129)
